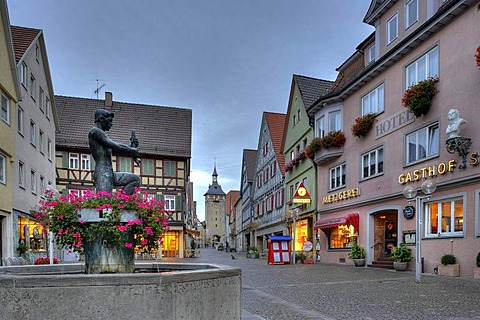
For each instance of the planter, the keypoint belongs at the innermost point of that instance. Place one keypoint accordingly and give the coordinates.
(400, 266)
(253, 255)
(476, 273)
(449, 270)
(324, 156)
(359, 262)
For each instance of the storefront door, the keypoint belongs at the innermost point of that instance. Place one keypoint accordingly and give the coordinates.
(385, 237)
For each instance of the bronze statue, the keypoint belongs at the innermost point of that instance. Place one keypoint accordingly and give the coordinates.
(101, 147)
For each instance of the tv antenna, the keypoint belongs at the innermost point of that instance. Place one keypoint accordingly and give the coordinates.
(97, 91)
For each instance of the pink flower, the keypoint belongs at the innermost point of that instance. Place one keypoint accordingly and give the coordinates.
(128, 245)
(77, 235)
(149, 231)
(144, 242)
(82, 221)
(122, 228)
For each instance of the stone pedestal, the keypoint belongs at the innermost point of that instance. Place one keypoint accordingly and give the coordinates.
(476, 273)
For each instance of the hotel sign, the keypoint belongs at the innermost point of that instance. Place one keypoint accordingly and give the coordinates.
(393, 123)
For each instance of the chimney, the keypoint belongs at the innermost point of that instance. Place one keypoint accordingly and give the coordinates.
(108, 100)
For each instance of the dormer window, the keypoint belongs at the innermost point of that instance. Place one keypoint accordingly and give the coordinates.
(371, 54)
(392, 29)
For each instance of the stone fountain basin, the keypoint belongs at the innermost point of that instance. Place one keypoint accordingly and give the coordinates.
(155, 291)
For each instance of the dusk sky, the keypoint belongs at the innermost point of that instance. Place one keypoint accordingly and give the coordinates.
(226, 60)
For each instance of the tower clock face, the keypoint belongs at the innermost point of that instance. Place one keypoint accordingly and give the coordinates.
(302, 192)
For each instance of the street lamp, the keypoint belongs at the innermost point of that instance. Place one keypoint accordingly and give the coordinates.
(294, 214)
(409, 192)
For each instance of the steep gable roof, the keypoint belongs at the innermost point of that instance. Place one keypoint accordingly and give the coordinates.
(161, 131)
(311, 88)
(276, 126)
(22, 39)
(250, 161)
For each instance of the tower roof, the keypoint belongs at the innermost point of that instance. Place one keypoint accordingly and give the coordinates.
(215, 188)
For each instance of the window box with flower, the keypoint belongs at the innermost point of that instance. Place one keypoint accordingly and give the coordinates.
(299, 157)
(362, 125)
(477, 57)
(418, 98)
(331, 147)
(106, 227)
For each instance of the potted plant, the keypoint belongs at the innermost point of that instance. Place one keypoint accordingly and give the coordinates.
(357, 254)
(401, 256)
(476, 270)
(252, 252)
(418, 98)
(362, 125)
(21, 249)
(334, 139)
(314, 146)
(449, 266)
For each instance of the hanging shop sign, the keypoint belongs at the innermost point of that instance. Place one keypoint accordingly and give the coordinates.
(301, 195)
(427, 172)
(343, 195)
(409, 212)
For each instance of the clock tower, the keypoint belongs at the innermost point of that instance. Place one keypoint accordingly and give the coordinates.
(215, 211)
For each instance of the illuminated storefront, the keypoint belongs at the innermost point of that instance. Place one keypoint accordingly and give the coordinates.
(301, 234)
(170, 247)
(31, 234)
(342, 232)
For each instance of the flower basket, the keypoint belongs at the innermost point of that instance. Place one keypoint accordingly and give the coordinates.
(314, 146)
(114, 224)
(363, 125)
(299, 157)
(334, 139)
(477, 57)
(418, 98)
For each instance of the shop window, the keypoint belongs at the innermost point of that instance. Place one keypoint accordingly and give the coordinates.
(342, 237)
(170, 244)
(445, 218)
(31, 234)
(301, 234)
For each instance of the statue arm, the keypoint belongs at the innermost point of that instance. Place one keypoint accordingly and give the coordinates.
(117, 147)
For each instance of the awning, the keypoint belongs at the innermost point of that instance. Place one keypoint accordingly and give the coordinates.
(194, 232)
(280, 238)
(351, 218)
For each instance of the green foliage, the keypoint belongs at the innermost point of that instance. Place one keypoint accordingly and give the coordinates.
(193, 244)
(448, 259)
(418, 98)
(401, 253)
(252, 250)
(357, 252)
(22, 248)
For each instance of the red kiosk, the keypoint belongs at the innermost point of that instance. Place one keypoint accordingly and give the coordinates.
(279, 249)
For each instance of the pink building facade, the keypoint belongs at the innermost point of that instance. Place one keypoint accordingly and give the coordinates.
(360, 186)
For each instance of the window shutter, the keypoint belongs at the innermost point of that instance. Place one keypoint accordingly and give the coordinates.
(92, 163)
(178, 203)
(65, 160)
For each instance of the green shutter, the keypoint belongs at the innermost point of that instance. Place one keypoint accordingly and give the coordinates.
(65, 160)
(178, 203)
(92, 163)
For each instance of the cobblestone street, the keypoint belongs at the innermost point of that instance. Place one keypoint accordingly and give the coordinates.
(321, 291)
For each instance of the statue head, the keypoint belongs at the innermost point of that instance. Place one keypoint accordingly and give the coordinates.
(453, 114)
(104, 118)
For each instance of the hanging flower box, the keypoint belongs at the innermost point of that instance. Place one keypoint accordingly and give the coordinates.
(299, 157)
(363, 125)
(331, 147)
(418, 98)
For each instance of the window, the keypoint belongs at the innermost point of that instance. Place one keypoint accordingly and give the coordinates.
(170, 203)
(49, 149)
(3, 169)
(294, 120)
(33, 133)
(411, 13)
(42, 184)
(298, 115)
(342, 237)
(23, 74)
(338, 176)
(169, 170)
(73, 161)
(423, 143)
(85, 162)
(422, 68)
(47, 108)
(33, 181)
(445, 218)
(335, 121)
(148, 167)
(41, 141)
(304, 143)
(21, 174)
(33, 86)
(265, 149)
(374, 101)
(320, 127)
(292, 155)
(392, 28)
(41, 96)
(37, 52)
(371, 54)
(292, 192)
(20, 119)
(124, 164)
(372, 163)
(5, 107)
